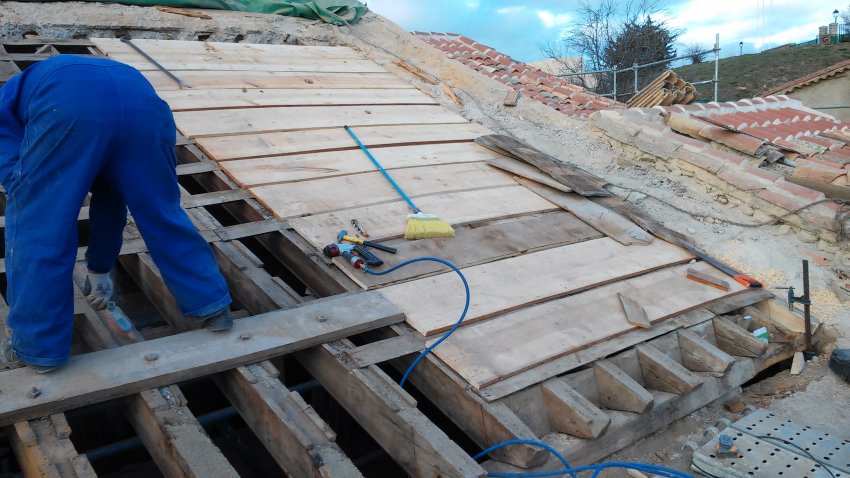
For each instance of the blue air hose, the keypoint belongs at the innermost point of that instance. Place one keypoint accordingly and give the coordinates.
(428, 349)
(568, 469)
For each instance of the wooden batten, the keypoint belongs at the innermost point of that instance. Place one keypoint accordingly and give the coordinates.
(662, 373)
(569, 412)
(735, 340)
(700, 355)
(618, 391)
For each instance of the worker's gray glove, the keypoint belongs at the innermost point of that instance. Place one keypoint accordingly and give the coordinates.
(98, 290)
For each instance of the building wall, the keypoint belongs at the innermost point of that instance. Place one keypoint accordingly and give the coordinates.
(833, 91)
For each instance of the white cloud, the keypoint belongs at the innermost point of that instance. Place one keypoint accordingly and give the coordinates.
(473, 4)
(510, 10)
(551, 20)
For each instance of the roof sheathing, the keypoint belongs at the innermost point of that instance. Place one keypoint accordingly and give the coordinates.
(532, 82)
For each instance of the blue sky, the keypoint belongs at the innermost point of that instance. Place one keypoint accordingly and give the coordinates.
(516, 27)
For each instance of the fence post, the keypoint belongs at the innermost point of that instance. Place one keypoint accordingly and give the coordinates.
(615, 82)
(716, 65)
(635, 68)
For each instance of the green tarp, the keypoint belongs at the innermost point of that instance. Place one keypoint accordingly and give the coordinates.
(337, 12)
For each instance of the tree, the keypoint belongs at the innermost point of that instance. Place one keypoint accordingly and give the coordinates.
(696, 53)
(610, 33)
(845, 15)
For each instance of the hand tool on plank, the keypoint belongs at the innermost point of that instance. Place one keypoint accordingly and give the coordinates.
(356, 255)
(344, 237)
(126, 39)
(742, 279)
(419, 225)
(707, 279)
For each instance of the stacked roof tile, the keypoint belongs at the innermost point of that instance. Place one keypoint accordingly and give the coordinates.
(530, 81)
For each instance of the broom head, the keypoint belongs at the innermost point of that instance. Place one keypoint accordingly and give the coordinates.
(424, 226)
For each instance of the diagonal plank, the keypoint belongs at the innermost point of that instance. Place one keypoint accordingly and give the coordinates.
(510, 284)
(300, 167)
(490, 351)
(182, 100)
(344, 192)
(274, 79)
(334, 139)
(387, 221)
(107, 374)
(213, 63)
(260, 120)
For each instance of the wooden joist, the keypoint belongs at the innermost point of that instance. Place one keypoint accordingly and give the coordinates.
(735, 340)
(699, 355)
(569, 412)
(660, 372)
(619, 391)
(43, 449)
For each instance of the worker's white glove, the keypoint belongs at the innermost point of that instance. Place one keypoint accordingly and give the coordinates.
(98, 289)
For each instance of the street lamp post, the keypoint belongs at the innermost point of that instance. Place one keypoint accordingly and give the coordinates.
(741, 48)
(835, 14)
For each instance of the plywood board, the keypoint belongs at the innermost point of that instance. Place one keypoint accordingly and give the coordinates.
(506, 285)
(224, 50)
(182, 100)
(274, 79)
(317, 196)
(387, 221)
(477, 245)
(487, 352)
(260, 120)
(237, 63)
(301, 167)
(332, 139)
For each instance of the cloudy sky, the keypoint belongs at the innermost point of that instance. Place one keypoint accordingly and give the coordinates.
(516, 27)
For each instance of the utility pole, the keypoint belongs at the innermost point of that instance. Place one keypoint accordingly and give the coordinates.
(741, 47)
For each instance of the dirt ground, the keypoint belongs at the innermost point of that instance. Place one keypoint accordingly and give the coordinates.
(770, 253)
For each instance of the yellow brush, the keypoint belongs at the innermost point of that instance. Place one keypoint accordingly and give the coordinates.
(419, 224)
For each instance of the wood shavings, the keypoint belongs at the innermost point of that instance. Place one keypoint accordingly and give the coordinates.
(770, 277)
(825, 304)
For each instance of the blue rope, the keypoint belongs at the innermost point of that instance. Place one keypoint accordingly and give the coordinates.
(569, 470)
(428, 350)
(383, 171)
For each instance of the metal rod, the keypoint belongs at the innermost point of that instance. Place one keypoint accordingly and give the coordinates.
(126, 39)
(807, 306)
(635, 67)
(834, 107)
(716, 65)
(615, 83)
(697, 83)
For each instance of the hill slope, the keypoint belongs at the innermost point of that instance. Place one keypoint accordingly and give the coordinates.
(749, 75)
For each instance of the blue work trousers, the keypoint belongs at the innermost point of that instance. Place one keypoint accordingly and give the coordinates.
(98, 128)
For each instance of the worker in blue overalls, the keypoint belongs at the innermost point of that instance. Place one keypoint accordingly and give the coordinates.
(69, 126)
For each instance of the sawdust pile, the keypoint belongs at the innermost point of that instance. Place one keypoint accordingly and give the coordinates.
(770, 277)
(825, 304)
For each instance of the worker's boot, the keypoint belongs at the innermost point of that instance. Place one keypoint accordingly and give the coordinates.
(9, 359)
(218, 321)
(98, 289)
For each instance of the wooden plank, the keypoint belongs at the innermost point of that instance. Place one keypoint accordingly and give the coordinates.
(660, 372)
(708, 280)
(182, 100)
(831, 191)
(572, 361)
(619, 391)
(387, 349)
(535, 335)
(526, 171)
(574, 178)
(609, 222)
(300, 442)
(178, 65)
(701, 355)
(387, 221)
(569, 412)
(735, 340)
(43, 449)
(541, 275)
(181, 48)
(301, 167)
(112, 373)
(486, 423)
(478, 245)
(274, 79)
(287, 118)
(305, 198)
(388, 413)
(336, 139)
(635, 313)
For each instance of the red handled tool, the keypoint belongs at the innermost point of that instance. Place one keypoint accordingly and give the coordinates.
(742, 279)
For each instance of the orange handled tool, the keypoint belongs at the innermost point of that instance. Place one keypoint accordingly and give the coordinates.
(742, 279)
